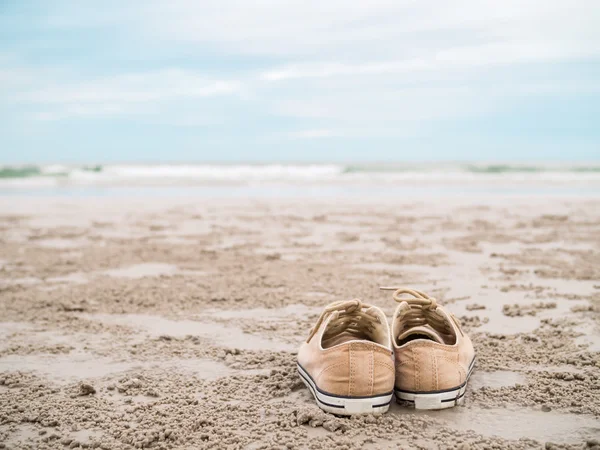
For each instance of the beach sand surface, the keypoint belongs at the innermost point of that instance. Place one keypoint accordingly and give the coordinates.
(174, 323)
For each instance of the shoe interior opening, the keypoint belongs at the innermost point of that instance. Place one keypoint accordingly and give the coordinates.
(423, 324)
(358, 326)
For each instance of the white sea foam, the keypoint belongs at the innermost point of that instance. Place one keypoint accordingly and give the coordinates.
(55, 169)
(202, 174)
(227, 172)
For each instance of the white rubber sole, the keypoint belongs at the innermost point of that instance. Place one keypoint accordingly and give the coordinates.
(447, 398)
(346, 406)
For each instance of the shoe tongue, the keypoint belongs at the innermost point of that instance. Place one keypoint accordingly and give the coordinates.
(372, 311)
(403, 309)
(421, 330)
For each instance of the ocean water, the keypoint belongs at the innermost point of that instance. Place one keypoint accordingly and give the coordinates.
(275, 179)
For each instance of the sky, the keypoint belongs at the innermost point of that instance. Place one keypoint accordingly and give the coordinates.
(299, 80)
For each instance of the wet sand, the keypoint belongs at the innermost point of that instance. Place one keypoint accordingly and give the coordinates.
(174, 323)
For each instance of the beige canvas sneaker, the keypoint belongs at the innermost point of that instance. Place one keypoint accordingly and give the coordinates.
(434, 357)
(347, 360)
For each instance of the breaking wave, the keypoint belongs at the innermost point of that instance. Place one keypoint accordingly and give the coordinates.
(122, 174)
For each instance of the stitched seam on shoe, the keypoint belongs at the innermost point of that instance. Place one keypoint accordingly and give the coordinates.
(431, 344)
(417, 380)
(386, 365)
(371, 372)
(383, 351)
(327, 369)
(453, 361)
(364, 343)
(317, 379)
(403, 362)
(351, 377)
(462, 372)
(434, 371)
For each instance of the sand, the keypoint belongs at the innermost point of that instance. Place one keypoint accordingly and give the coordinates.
(173, 323)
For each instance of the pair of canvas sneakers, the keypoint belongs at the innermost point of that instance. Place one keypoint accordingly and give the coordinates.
(353, 362)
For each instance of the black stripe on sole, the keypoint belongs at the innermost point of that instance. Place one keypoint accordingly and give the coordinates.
(315, 394)
(441, 401)
(310, 386)
(454, 399)
(349, 397)
(383, 404)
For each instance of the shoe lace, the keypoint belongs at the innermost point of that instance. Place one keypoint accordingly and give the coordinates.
(349, 317)
(417, 308)
(418, 298)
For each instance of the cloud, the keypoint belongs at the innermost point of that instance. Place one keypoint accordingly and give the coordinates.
(451, 59)
(339, 68)
(380, 63)
(134, 88)
(394, 29)
(126, 94)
